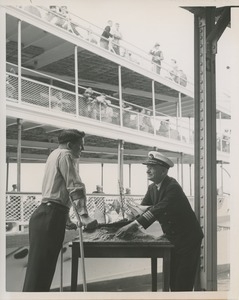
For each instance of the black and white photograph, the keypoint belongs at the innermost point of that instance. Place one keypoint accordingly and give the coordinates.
(119, 151)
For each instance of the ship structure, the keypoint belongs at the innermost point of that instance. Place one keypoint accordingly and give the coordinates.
(61, 73)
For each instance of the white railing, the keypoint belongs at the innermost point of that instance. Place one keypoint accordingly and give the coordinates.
(103, 207)
(91, 33)
(63, 101)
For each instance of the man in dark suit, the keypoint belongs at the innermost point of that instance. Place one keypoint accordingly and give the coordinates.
(170, 207)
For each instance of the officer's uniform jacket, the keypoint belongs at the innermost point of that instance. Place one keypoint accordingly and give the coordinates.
(172, 209)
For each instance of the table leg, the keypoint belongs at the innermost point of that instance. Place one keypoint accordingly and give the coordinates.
(154, 273)
(166, 270)
(74, 267)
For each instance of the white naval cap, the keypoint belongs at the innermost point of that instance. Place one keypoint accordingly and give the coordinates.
(157, 158)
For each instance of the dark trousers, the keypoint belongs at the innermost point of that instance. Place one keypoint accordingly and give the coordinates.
(46, 234)
(183, 269)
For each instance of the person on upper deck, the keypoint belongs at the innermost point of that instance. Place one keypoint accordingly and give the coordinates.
(104, 40)
(85, 103)
(48, 222)
(174, 70)
(117, 36)
(166, 203)
(157, 57)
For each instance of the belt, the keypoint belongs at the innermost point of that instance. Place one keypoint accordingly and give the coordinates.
(59, 206)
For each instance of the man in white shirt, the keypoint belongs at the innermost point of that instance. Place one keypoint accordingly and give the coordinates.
(47, 224)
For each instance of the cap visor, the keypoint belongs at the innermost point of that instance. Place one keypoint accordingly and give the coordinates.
(150, 162)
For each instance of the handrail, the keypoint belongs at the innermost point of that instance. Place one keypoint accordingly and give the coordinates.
(72, 28)
(21, 205)
(44, 95)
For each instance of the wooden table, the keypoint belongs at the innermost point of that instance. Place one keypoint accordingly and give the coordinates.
(153, 249)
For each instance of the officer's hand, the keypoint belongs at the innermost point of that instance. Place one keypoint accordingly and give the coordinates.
(127, 230)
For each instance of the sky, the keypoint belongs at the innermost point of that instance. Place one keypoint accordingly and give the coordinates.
(143, 23)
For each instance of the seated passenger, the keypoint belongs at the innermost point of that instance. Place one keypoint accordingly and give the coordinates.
(174, 134)
(96, 106)
(56, 101)
(85, 103)
(145, 121)
(59, 103)
(164, 128)
(107, 112)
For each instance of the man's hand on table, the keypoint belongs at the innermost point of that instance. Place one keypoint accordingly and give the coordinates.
(127, 230)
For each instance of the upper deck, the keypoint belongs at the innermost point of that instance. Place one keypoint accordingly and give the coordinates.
(54, 58)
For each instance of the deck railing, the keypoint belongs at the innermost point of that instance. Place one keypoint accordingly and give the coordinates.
(20, 206)
(60, 101)
(91, 33)
(104, 207)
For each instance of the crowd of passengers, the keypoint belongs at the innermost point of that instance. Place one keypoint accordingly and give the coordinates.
(97, 106)
(110, 40)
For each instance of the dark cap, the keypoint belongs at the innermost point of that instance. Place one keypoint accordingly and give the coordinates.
(157, 158)
(70, 135)
(157, 44)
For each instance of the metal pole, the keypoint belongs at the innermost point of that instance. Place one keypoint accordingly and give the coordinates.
(222, 179)
(179, 114)
(7, 173)
(177, 168)
(76, 81)
(129, 175)
(19, 59)
(190, 179)
(102, 174)
(19, 140)
(120, 161)
(189, 129)
(205, 147)
(181, 158)
(120, 96)
(82, 256)
(61, 270)
(153, 100)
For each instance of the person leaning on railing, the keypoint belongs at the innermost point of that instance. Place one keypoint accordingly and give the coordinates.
(117, 36)
(107, 112)
(96, 106)
(157, 57)
(86, 99)
(104, 40)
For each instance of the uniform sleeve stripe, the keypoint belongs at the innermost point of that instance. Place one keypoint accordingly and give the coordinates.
(148, 216)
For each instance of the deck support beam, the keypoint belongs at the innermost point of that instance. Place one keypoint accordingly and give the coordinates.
(19, 152)
(120, 95)
(206, 36)
(76, 79)
(120, 163)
